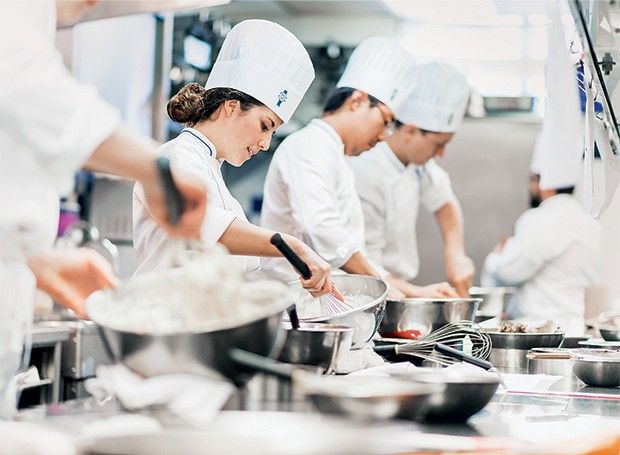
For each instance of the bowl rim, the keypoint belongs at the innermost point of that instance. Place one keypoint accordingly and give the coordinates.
(318, 327)
(437, 300)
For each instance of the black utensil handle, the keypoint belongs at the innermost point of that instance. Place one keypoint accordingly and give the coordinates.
(293, 316)
(460, 355)
(386, 349)
(291, 256)
(174, 200)
(262, 364)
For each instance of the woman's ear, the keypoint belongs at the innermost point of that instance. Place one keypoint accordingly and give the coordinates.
(229, 107)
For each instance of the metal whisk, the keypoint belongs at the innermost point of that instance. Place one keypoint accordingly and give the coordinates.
(456, 335)
(330, 304)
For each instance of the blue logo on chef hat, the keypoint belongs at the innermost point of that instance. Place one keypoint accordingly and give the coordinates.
(394, 93)
(282, 96)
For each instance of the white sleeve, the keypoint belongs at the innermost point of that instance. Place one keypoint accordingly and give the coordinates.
(41, 104)
(435, 187)
(522, 257)
(217, 219)
(312, 184)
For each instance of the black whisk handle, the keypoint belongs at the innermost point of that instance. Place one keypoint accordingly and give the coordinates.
(291, 256)
(460, 355)
(386, 349)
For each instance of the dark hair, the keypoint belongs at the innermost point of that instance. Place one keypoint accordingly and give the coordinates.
(193, 103)
(339, 95)
(565, 190)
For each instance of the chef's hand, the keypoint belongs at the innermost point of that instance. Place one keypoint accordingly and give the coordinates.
(70, 276)
(320, 283)
(195, 198)
(460, 271)
(442, 289)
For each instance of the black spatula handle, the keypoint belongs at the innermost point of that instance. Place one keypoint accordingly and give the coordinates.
(174, 199)
(460, 355)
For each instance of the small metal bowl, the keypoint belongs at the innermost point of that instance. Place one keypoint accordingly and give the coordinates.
(494, 299)
(464, 394)
(610, 333)
(508, 340)
(415, 318)
(316, 344)
(600, 368)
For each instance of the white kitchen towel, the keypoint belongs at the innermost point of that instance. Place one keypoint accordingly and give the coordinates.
(359, 359)
(195, 399)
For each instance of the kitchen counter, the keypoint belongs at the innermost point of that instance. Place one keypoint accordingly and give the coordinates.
(562, 415)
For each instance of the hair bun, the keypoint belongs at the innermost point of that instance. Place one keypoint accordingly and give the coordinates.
(186, 105)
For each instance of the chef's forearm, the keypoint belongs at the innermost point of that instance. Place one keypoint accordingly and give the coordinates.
(450, 220)
(126, 155)
(410, 290)
(357, 264)
(247, 239)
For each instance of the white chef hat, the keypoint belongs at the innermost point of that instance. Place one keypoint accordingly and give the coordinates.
(266, 61)
(558, 173)
(437, 98)
(381, 68)
(536, 162)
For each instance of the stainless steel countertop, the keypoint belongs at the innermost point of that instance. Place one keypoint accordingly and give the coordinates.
(47, 336)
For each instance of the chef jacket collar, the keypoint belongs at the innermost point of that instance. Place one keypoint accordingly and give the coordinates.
(205, 144)
(331, 132)
(393, 159)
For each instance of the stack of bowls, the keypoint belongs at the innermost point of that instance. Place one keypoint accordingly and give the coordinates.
(509, 353)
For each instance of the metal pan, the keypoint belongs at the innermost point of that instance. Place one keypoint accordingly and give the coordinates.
(358, 397)
(610, 333)
(506, 340)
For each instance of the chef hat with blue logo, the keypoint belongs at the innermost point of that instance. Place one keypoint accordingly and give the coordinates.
(437, 98)
(381, 68)
(266, 61)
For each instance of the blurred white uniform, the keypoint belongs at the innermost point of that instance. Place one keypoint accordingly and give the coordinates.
(49, 125)
(390, 194)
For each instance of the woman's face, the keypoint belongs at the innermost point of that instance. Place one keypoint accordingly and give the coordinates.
(247, 132)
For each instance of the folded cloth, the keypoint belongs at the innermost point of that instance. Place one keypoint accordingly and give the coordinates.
(195, 399)
(358, 359)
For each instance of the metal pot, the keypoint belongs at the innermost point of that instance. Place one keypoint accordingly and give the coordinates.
(551, 361)
(494, 299)
(415, 318)
(365, 319)
(464, 394)
(315, 344)
(194, 352)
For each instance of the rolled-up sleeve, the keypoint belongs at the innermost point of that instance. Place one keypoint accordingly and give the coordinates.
(41, 104)
(435, 187)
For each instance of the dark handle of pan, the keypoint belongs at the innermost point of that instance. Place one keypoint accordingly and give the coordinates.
(262, 364)
(293, 316)
(291, 256)
(174, 200)
(460, 355)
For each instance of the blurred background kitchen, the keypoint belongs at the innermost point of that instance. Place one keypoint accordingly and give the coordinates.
(139, 60)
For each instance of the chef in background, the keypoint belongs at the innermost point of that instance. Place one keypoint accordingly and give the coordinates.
(399, 174)
(310, 190)
(554, 254)
(259, 78)
(50, 126)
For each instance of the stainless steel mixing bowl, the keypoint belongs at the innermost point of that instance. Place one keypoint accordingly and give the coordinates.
(205, 352)
(599, 368)
(610, 333)
(366, 318)
(463, 396)
(507, 340)
(316, 344)
(415, 318)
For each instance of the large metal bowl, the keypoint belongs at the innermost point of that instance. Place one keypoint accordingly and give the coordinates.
(494, 299)
(415, 318)
(522, 341)
(463, 396)
(205, 352)
(316, 344)
(364, 319)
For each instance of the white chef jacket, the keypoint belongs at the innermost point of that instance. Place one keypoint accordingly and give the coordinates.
(390, 193)
(310, 194)
(191, 151)
(553, 257)
(49, 125)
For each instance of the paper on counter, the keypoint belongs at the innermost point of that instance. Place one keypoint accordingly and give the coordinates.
(527, 382)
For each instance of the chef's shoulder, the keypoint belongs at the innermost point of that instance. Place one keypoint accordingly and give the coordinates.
(370, 168)
(181, 155)
(305, 146)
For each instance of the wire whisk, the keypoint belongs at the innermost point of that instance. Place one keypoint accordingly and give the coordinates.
(463, 335)
(330, 305)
